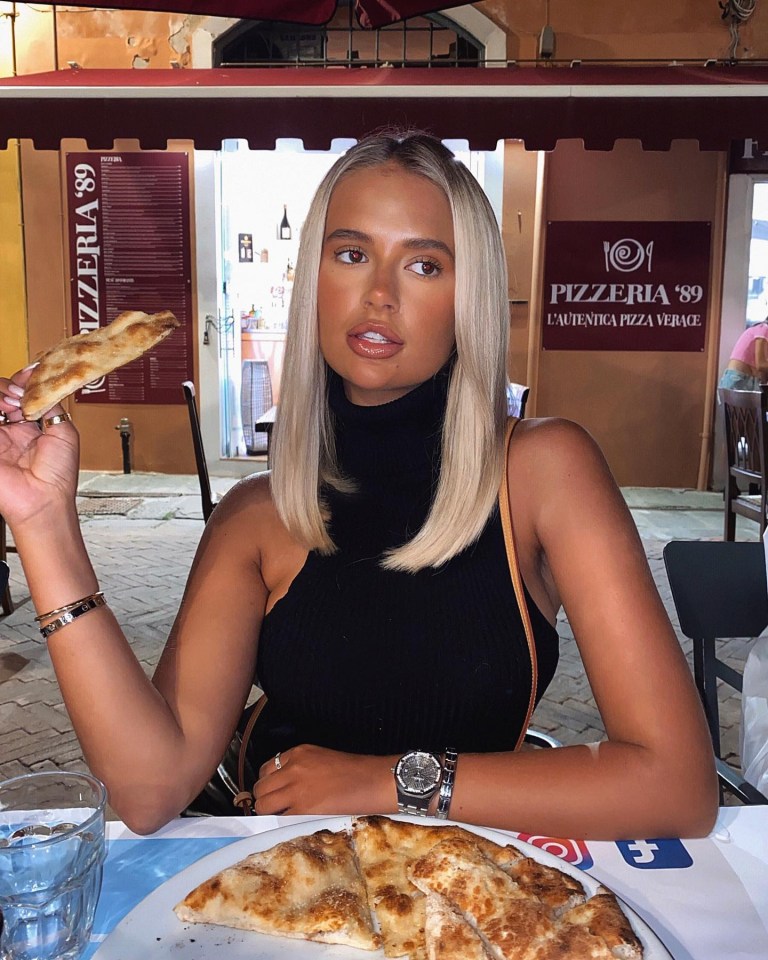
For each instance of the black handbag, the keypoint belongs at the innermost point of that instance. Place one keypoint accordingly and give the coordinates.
(229, 791)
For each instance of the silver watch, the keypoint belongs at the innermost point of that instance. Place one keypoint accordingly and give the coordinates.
(417, 779)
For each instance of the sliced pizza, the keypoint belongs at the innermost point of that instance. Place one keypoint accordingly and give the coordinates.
(83, 358)
(510, 920)
(307, 888)
(598, 930)
(447, 934)
(386, 849)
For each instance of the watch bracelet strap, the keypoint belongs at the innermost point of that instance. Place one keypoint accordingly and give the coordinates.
(413, 809)
(445, 795)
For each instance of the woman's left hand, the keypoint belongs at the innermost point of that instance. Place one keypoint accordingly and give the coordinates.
(311, 779)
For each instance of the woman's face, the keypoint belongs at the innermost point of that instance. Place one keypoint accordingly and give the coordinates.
(386, 283)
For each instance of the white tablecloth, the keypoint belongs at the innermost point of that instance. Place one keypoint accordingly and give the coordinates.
(706, 899)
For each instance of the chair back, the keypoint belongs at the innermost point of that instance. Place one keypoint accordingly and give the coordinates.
(517, 397)
(718, 587)
(746, 444)
(719, 591)
(197, 442)
(745, 432)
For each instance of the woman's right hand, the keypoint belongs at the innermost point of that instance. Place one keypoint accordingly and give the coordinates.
(38, 467)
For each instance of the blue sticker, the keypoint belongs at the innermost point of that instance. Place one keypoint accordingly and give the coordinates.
(655, 854)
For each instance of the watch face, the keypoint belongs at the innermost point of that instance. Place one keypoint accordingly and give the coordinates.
(419, 773)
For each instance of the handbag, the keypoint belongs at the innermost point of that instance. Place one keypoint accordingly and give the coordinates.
(227, 787)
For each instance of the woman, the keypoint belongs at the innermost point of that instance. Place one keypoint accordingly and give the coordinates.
(747, 367)
(371, 565)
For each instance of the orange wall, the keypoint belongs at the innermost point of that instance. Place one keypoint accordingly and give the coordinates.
(653, 29)
(645, 409)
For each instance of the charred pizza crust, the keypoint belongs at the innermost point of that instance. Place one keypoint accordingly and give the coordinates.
(83, 358)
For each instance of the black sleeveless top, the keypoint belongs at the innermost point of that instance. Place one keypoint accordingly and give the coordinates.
(372, 661)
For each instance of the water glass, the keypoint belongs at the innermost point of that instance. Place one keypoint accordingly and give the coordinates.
(52, 852)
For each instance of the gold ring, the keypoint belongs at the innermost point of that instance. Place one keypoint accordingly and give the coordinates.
(278, 765)
(59, 418)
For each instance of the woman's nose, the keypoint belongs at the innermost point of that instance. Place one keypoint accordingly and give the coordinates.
(383, 291)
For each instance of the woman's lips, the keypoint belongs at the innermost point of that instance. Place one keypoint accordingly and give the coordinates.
(374, 342)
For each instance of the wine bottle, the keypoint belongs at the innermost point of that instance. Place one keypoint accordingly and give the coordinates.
(285, 227)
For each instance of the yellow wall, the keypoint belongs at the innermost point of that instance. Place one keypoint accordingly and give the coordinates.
(13, 339)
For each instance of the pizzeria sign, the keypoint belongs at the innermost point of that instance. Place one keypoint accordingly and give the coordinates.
(626, 285)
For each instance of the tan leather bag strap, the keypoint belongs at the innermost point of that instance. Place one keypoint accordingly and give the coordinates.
(517, 580)
(244, 799)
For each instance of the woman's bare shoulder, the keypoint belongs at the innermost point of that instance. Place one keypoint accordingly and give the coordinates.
(247, 508)
(549, 441)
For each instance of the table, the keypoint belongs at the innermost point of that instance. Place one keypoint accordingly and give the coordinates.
(706, 899)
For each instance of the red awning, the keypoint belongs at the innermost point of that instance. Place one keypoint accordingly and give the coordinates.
(539, 106)
(370, 13)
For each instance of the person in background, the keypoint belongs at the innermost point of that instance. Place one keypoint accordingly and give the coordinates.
(748, 365)
(365, 580)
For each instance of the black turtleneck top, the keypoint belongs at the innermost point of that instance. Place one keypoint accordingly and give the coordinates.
(367, 660)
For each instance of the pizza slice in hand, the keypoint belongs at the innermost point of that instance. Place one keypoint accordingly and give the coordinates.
(308, 888)
(85, 357)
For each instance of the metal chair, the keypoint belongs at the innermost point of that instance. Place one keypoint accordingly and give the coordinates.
(719, 591)
(746, 444)
(206, 497)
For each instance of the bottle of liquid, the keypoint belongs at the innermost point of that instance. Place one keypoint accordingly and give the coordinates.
(285, 227)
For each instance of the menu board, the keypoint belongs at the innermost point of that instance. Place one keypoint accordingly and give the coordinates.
(129, 249)
(626, 285)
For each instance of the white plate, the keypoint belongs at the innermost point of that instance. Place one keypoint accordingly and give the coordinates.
(153, 929)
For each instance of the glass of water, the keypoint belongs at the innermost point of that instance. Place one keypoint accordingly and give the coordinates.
(52, 851)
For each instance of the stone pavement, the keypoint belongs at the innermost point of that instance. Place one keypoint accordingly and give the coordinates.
(142, 531)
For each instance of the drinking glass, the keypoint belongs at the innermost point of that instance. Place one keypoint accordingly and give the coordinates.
(52, 851)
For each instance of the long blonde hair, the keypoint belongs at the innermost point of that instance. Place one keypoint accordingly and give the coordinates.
(304, 456)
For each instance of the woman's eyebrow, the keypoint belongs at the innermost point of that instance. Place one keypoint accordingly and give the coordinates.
(413, 243)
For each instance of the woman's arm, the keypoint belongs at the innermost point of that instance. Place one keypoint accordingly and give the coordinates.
(654, 773)
(153, 744)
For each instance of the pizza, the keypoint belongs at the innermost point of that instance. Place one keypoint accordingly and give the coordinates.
(512, 920)
(419, 890)
(448, 936)
(309, 888)
(386, 849)
(83, 358)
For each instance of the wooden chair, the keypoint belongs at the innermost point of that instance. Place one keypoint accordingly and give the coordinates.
(6, 601)
(5, 593)
(746, 444)
(719, 591)
(206, 497)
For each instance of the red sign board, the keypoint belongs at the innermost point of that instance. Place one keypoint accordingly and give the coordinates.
(129, 249)
(637, 285)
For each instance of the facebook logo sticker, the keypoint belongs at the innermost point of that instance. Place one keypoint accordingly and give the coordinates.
(655, 854)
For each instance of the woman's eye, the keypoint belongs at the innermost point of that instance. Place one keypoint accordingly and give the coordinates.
(426, 268)
(352, 255)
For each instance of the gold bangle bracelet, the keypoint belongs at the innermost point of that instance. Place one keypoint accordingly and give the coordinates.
(90, 603)
(67, 607)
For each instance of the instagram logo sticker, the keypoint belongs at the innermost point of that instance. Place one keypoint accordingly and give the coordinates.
(572, 851)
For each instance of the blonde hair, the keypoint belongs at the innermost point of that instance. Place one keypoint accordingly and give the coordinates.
(304, 456)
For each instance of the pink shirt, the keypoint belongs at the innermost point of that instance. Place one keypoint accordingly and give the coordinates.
(744, 348)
